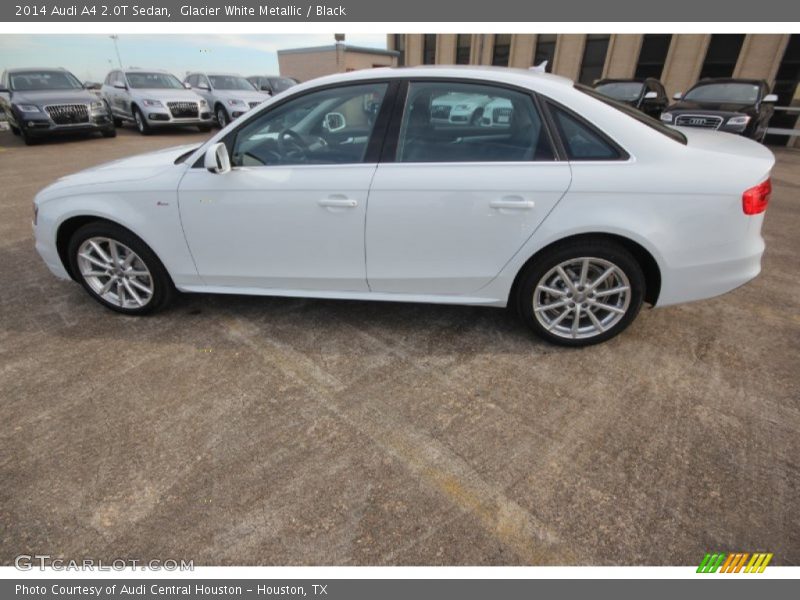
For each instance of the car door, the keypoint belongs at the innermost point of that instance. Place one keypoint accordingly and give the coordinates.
(454, 199)
(290, 214)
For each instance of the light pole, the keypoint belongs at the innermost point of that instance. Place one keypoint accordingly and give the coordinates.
(115, 38)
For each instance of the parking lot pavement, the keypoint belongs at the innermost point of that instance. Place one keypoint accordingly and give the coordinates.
(236, 430)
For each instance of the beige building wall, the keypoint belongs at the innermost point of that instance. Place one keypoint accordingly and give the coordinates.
(569, 55)
(684, 62)
(446, 48)
(623, 55)
(761, 56)
(307, 65)
(354, 61)
(522, 46)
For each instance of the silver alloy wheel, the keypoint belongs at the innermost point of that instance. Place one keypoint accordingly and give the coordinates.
(222, 118)
(581, 297)
(137, 115)
(115, 272)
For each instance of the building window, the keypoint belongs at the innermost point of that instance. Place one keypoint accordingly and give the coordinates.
(545, 50)
(594, 58)
(653, 55)
(785, 87)
(502, 50)
(463, 48)
(400, 46)
(723, 52)
(429, 49)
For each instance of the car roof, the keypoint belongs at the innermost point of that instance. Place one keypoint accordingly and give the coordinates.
(521, 77)
(625, 80)
(143, 70)
(214, 74)
(729, 80)
(29, 69)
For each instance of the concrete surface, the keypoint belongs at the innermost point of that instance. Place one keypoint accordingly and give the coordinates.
(234, 430)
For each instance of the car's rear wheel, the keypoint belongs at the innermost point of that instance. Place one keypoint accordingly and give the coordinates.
(118, 269)
(141, 122)
(110, 132)
(581, 294)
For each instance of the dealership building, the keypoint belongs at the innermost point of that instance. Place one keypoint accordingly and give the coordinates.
(678, 60)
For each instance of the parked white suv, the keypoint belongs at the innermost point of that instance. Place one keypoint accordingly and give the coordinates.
(229, 95)
(152, 99)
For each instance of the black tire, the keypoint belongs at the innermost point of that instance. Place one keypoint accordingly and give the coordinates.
(111, 132)
(118, 122)
(222, 117)
(163, 288)
(204, 128)
(141, 123)
(14, 130)
(602, 249)
(27, 137)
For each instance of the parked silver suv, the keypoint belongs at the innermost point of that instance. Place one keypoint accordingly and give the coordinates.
(229, 95)
(153, 99)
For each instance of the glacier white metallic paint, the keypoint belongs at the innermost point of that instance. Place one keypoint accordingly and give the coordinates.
(428, 232)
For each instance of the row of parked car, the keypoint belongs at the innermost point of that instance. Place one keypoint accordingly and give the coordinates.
(742, 106)
(43, 102)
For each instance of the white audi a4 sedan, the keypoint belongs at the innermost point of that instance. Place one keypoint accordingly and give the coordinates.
(569, 207)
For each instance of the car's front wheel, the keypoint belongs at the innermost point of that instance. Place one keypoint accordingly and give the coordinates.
(582, 293)
(141, 123)
(222, 117)
(118, 269)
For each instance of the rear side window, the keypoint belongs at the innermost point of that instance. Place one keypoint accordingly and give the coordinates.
(581, 141)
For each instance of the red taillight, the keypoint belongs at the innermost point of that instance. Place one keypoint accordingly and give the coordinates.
(755, 200)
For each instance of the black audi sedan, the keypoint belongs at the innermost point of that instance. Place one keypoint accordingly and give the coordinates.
(44, 102)
(648, 95)
(742, 106)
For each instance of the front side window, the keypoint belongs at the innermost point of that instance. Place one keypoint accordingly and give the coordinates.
(465, 122)
(321, 128)
(30, 81)
(153, 81)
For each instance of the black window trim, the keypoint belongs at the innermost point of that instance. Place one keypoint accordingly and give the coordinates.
(376, 139)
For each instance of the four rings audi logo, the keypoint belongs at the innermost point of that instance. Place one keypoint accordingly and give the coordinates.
(697, 121)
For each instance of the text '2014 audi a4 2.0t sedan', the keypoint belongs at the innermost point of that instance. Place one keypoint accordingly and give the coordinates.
(572, 208)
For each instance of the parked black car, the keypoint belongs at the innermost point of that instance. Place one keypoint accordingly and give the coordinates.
(647, 95)
(272, 84)
(742, 106)
(43, 102)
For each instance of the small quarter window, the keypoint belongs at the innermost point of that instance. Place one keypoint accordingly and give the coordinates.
(581, 141)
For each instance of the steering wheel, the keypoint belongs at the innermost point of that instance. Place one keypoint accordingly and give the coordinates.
(292, 145)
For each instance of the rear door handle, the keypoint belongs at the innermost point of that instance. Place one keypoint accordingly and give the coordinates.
(338, 202)
(512, 202)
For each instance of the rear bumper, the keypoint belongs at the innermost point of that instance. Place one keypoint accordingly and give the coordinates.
(734, 266)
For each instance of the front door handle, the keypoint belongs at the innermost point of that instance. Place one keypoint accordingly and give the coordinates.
(512, 202)
(338, 202)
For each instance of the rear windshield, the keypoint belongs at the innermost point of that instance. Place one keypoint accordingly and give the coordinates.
(621, 90)
(636, 114)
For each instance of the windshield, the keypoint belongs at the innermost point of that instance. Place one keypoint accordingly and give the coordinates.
(44, 80)
(153, 81)
(280, 84)
(739, 93)
(634, 113)
(230, 82)
(626, 91)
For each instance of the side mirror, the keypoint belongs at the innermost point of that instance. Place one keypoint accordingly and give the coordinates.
(650, 96)
(266, 88)
(334, 121)
(770, 98)
(187, 85)
(217, 159)
(677, 96)
(91, 85)
(202, 86)
(120, 86)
